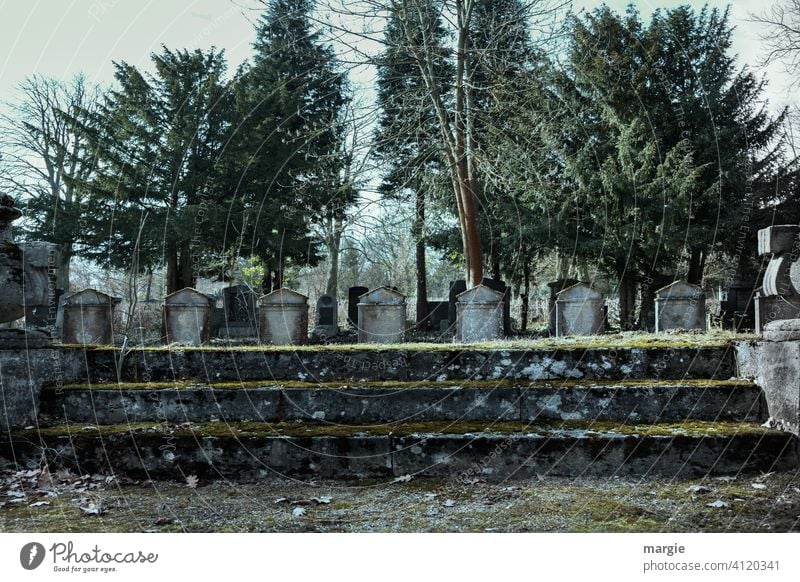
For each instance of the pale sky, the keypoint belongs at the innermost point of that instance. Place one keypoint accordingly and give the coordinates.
(63, 37)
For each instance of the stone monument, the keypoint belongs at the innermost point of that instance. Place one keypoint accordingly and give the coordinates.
(480, 314)
(327, 324)
(187, 317)
(284, 317)
(579, 311)
(382, 316)
(89, 318)
(680, 305)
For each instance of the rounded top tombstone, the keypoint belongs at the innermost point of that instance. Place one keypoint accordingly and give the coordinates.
(382, 296)
(187, 297)
(283, 296)
(480, 295)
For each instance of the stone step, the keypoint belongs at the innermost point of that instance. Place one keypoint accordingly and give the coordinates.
(379, 402)
(656, 360)
(458, 450)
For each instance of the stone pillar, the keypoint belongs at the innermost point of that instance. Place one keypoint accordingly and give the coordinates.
(187, 317)
(680, 306)
(89, 318)
(774, 364)
(284, 317)
(580, 310)
(480, 314)
(327, 324)
(382, 316)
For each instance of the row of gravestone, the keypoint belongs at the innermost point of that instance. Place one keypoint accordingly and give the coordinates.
(381, 315)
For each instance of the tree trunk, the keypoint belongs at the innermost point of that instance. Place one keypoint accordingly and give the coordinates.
(697, 265)
(495, 262)
(526, 292)
(418, 231)
(336, 228)
(627, 297)
(172, 267)
(62, 273)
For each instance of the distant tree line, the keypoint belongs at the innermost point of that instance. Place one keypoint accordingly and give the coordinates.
(636, 151)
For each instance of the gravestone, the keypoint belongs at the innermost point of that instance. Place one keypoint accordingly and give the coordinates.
(239, 304)
(439, 315)
(327, 324)
(580, 310)
(480, 314)
(284, 317)
(187, 317)
(555, 288)
(89, 318)
(382, 316)
(353, 293)
(738, 310)
(680, 306)
(459, 286)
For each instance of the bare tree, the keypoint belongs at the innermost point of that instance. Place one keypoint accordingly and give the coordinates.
(41, 157)
(782, 35)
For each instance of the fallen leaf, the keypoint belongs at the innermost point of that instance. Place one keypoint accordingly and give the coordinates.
(322, 500)
(192, 481)
(298, 512)
(719, 503)
(402, 479)
(164, 521)
(449, 503)
(39, 504)
(758, 486)
(15, 493)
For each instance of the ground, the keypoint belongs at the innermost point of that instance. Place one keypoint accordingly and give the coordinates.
(68, 503)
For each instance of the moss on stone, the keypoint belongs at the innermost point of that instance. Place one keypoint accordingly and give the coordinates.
(311, 429)
(401, 385)
(611, 341)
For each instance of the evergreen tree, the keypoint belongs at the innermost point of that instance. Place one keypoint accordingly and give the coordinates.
(287, 149)
(407, 140)
(157, 190)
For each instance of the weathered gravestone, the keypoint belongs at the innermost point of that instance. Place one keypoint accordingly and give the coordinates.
(284, 317)
(382, 316)
(480, 314)
(458, 287)
(327, 324)
(187, 317)
(579, 311)
(680, 306)
(89, 318)
(555, 288)
(353, 294)
(239, 310)
(737, 310)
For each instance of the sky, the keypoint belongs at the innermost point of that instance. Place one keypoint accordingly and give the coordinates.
(61, 38)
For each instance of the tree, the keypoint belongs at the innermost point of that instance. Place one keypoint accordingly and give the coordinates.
(406, 140)
(659, 140)
(44, 158)
(158, 187)
(287, 151)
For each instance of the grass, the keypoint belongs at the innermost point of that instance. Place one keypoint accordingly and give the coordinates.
(714, 339)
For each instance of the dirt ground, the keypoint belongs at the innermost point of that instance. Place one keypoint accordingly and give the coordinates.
(35, 501)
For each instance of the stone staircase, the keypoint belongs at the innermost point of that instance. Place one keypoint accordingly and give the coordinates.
(675, 411)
